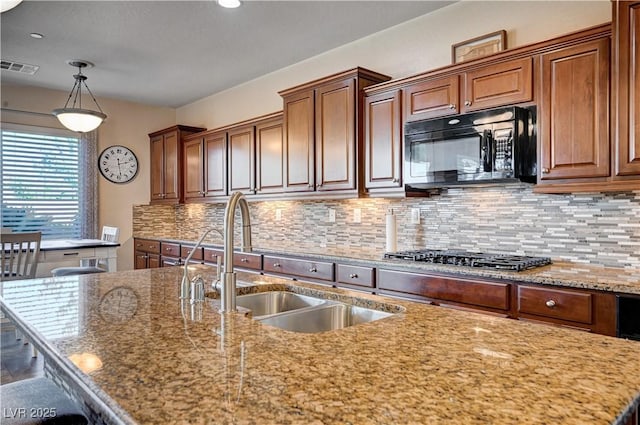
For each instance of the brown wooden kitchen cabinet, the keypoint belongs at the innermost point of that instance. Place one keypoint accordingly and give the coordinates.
(469, 292)
(299, 268)
(488, 86)
(578, 309)
(573, 117)
(242, 159)
(146, 253)
(169, 254)
(324, 130)
(166, 163)
(383, 140)
(625, 83)
(269, 154)
(205, 165)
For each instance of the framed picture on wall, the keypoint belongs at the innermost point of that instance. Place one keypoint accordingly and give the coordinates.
(479, 47)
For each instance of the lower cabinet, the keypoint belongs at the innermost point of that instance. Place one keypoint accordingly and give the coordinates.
(169, 254)
(355, 277)
(298, 268)
(484, 295)
(579, 309)
(146, 253)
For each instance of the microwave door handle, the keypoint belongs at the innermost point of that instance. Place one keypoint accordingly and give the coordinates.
(487, 151)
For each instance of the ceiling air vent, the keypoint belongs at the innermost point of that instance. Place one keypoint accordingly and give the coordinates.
(23, 68)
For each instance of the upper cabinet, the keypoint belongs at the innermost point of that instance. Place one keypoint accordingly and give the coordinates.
(166, 163)
(573, 116)
(323, 133)
(483, 87)
(244, 157)
(626, 89)
(205, 165)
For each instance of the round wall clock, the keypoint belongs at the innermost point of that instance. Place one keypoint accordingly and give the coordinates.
(118, 164)
(119, 305)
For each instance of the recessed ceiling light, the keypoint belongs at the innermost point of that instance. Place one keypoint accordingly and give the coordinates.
(36, 35)
(229, 3)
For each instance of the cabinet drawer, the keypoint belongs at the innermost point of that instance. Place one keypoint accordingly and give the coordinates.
(211, 255)
(170, 249)
(186, 250)
(247, 260)
(146, 245)
(473, 292)
(558, 304)
(354, 275)
(296, 267)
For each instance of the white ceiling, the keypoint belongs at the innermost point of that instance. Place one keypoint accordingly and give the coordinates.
(171, 53)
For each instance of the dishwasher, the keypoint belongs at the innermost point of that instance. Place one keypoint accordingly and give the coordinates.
(628, 323)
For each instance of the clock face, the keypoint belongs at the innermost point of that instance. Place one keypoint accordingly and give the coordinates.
(118, 164)
(119, 305)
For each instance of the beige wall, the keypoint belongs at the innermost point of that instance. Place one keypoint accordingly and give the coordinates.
(416, 46)
(127, 124)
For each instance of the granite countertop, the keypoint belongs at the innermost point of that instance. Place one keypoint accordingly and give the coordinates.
(560, 273)
(164, 361)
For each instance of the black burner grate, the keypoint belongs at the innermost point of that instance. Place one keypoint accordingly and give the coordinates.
(471, 259)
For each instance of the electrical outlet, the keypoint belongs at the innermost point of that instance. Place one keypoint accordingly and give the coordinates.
(415, 215)
(332, 215)
(357, 215)
(278, 214)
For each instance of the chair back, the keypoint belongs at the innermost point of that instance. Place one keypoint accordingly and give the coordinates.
(110, 234)
(20, 252)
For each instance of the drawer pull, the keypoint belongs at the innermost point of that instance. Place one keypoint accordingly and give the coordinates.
(452, 106)
(467, 103)
(313, 269)
(545, 171)
(71, 254)
(550, 303)
(276, 264)
(244, 260)
(353, 276)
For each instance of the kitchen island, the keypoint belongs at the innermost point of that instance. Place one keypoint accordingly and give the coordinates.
(160, 360)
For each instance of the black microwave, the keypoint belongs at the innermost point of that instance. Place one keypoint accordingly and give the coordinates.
(497, 145)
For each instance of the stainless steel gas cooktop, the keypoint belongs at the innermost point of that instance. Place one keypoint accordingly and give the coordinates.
(471, 259)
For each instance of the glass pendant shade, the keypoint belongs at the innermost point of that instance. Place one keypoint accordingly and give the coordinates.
(80, 120)
(231, 4)
(76, 118)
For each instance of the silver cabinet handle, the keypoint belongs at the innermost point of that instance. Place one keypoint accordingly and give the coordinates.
(395, 180)
(310, 186)
(545, 171)
(467, 103)
(550, 303)
(353, 276)
(276, 264)
(243, 260)
(313, 269)
(452, 106)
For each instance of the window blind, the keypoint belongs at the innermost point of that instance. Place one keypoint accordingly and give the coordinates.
(40, 177)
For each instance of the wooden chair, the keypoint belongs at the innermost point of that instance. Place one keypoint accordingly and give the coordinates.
(20, 253)
(109, 234)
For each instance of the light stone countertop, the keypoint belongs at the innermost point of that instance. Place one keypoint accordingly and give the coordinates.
(426, 364)
(559, 273)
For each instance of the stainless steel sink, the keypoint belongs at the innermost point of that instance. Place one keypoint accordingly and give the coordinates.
(326, 317)
(267, 303)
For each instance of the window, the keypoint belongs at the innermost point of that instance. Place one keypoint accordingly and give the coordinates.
(42, 181)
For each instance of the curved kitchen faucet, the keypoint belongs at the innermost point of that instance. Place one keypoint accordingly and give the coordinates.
(228, 293)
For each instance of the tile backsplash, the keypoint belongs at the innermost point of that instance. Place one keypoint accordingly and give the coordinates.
(597, 228)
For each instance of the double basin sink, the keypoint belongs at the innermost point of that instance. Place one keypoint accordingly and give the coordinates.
(302, 313)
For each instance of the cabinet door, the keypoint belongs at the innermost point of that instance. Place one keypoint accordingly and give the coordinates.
(157, 168)
(193, 169)
(574, 114)
(172, 166)
(335, 136)
(215, 164)
(626, 95)
(242, 151)
(383, 140)
(153, 261)
(497, 85)
(299, 142)
(269, 156)
(140, 260)
(430, 99)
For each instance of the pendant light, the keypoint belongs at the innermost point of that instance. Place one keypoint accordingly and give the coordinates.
(75, 118)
